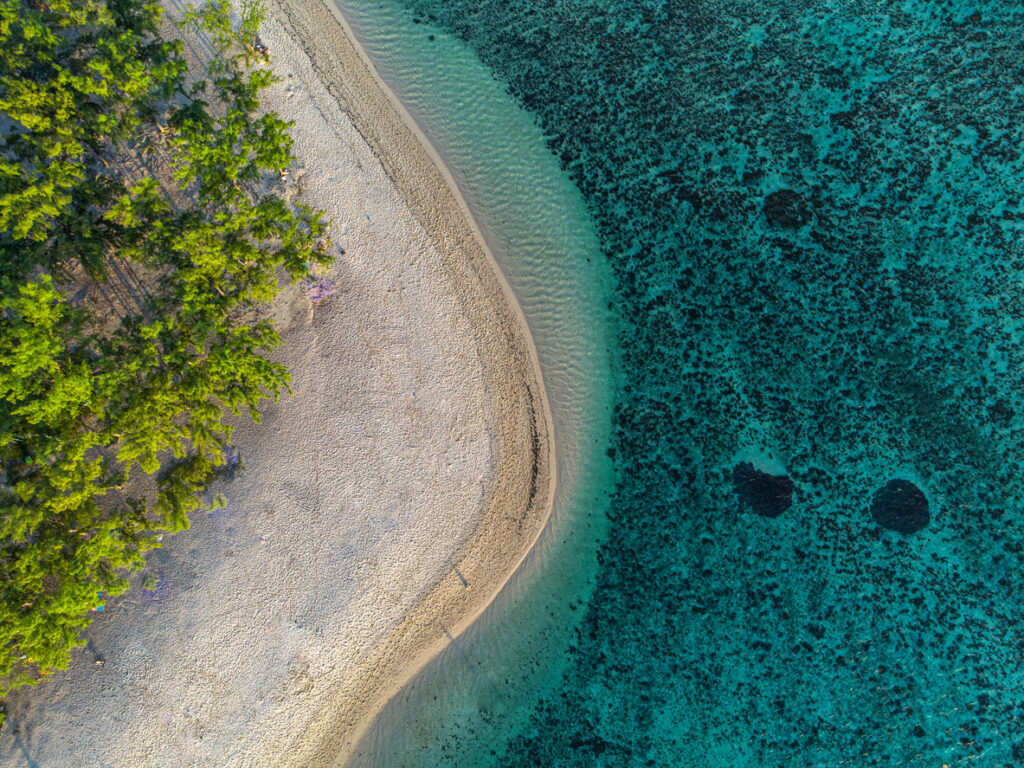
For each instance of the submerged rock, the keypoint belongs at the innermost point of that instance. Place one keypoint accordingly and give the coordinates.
(767, 495)
(787, 209)
(901, 506)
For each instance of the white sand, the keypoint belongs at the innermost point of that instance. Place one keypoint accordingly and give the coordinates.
(413, 455)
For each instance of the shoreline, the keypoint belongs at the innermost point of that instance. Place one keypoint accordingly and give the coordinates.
(385, 503)
(410, 160)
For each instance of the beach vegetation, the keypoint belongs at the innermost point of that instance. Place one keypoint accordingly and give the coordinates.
(143, 231)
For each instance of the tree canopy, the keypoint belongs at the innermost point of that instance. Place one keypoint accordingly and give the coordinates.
(92, 99)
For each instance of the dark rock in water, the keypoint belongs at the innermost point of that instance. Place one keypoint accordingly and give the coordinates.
(767, 495)
(786, 208)
(901, 506)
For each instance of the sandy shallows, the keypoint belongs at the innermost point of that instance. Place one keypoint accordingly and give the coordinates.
(384, 503)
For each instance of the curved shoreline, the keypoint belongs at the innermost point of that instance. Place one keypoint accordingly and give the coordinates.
(413, 460)
(510, 524)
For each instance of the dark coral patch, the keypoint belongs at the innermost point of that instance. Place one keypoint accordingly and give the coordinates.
(787, 209)
(901, 506)
(767, 495)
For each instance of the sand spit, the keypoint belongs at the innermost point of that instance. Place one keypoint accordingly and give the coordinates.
(413, 461)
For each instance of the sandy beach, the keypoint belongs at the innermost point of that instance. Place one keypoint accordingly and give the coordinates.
(383, 505)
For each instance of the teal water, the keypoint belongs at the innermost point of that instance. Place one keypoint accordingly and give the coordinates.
(537, 225)
(812, 212)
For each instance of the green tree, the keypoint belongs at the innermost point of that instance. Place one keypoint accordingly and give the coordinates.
(76, 79)
(85, 407)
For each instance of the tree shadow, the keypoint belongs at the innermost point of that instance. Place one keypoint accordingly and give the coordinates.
(19, 743)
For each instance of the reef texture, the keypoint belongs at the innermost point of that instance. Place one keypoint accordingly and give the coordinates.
(813, 210)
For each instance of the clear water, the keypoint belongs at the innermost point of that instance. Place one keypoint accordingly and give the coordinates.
(538, 227)
(812, 211)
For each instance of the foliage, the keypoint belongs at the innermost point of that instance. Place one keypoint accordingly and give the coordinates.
(84, 86)
(76, 78)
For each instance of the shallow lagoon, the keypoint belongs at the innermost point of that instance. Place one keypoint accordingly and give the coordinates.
(812, 213)
(537, 225)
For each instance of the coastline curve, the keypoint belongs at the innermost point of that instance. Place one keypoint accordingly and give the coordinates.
(284, 623)
(501, 541)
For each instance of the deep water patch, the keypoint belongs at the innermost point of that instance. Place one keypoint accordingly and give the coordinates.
(900, 506)
(765, 494)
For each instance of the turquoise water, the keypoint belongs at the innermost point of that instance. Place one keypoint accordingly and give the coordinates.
(538, 227)
(812, 212)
